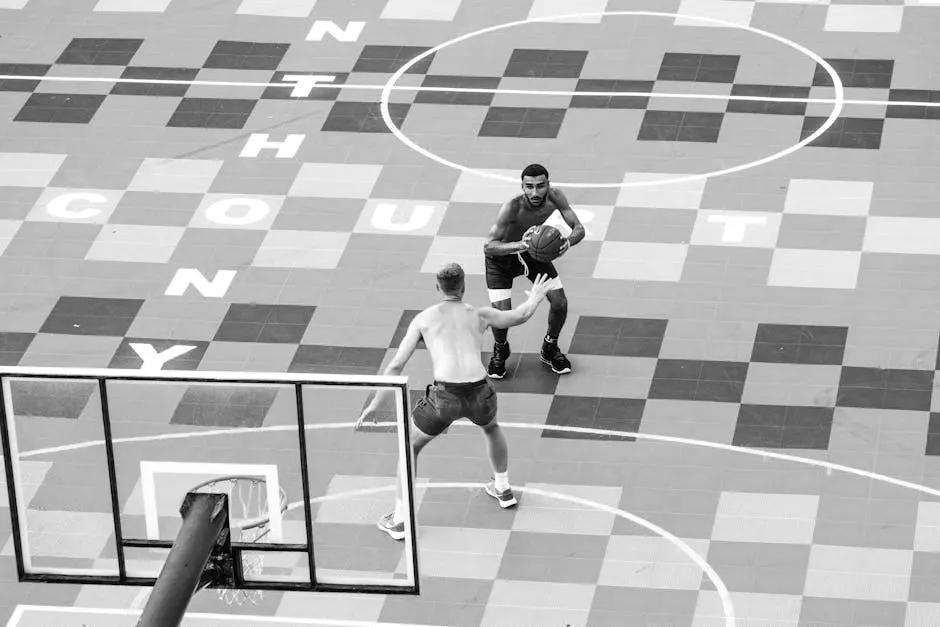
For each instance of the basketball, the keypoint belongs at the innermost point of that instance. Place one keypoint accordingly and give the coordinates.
(545, 243)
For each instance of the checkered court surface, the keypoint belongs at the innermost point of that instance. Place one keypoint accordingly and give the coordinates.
(172, 193)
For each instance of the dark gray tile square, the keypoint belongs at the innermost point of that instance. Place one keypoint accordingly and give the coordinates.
(60, 108)
(768, 107)
(125, 357)
(686, 126)
(337, 359)
(622, 337)
(881, 388)
(786, 427)
(907, 111)
(526, 122)
(224, 406)
(799, 344)
(155, 89)
(21, 69)
(390, 59)
(363, 117)
(702, 68)
(51, 398)
(316, 93)
(933, 435)
(535, 63)
(13, 346)
(873, 73)
(612, 101)
(924, 572)
(211, 113)
(759, 567)
(681, 379)
(245, 55)
(607, 414)
(828, 612)
(455, 97)
(276, 324)
(525, 374)
(650, 607)
(99, 51)
(859, 133)
(76, 315)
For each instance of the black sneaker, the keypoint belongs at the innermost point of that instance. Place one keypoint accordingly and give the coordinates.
(553, 357)
(497, 367)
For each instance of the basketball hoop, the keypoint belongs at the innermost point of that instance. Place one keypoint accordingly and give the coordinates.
(249, 521)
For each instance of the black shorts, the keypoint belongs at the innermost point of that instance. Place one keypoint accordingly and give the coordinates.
(502, 270)
(443, 403)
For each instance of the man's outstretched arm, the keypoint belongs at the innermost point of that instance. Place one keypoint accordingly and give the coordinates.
(504, 319)
(394, 368)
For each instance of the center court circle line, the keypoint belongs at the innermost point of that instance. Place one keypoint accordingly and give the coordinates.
(836, 108)
(720, 587)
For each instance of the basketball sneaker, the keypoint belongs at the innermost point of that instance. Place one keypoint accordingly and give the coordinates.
(497, 367)
(552, 356)
(504, 498)
(388, 525)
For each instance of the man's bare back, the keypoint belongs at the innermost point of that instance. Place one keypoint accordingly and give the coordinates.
(453, 334)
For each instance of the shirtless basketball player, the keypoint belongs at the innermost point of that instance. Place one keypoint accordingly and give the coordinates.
(453, 333)
(506, 259)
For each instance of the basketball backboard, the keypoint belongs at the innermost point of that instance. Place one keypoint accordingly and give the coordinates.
(97, 463)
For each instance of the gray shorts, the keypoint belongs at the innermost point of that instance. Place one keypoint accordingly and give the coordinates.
(443, 403)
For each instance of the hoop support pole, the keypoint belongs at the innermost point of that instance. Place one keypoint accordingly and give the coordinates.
(205, 517)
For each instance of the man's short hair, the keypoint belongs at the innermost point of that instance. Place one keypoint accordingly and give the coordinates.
(450, 278)
(535, 170)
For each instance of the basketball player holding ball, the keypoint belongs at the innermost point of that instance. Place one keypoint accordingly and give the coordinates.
(521, 244)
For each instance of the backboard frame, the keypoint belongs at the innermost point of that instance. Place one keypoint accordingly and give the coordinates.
(26, 573)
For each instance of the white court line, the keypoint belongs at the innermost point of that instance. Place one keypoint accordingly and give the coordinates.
(720, 587)
(21, 610)
(476, 90)
(655, 437)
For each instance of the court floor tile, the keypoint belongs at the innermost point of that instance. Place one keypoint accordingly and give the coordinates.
(60, 108)
(681, 379)
(879, 388)
(154, 89)
(337, 359)
(858, 573)
(761, 568)
(541, 63)
(864, 18)
(649, 562)
(769, 518)
(608, 414)
(222, 406)
(623, 337)
(389, 59)
(703, 68)
(852, 133)
(245, 55)
(21, 69)
(74, 315)
(799, 344)
(280, 324)
(781, 426)
(432, 10)
(91, 51)
(768, 107)
(221, 113)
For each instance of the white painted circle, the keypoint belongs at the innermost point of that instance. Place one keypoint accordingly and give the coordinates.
(836, 108)
(727, 605)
